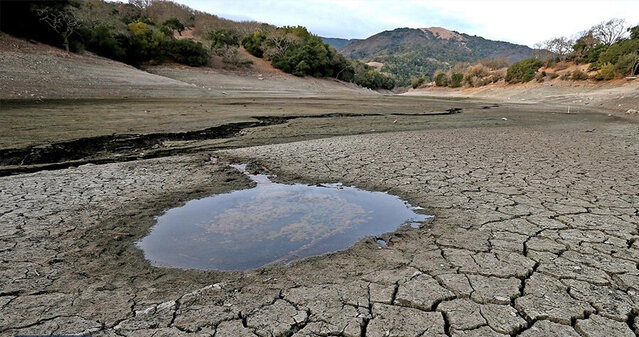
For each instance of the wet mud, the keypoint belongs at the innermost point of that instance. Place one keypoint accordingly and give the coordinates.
(127, 147)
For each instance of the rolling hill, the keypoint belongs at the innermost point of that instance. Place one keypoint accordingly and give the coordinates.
(338, 43)
(408, 52)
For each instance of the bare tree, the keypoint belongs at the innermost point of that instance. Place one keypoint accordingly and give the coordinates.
(609, 32)
(162, 10)
(94, 13)
(562, 46)
(538, 50)
(62, 21)
(278, 42)
(143, 5)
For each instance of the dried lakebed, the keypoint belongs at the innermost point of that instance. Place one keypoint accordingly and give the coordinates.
(536, 235)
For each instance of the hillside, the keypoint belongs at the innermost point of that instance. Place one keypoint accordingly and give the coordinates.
(338, 43)
(32, 70)
(408, 52)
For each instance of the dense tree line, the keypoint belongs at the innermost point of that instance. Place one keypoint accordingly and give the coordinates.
(610, 47)
(119, 31)
(144, 31)
(295, 50)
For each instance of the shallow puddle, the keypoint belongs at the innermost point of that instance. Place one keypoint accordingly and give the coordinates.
(272, 223)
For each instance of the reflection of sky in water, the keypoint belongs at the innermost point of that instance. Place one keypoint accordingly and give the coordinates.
(270, 223)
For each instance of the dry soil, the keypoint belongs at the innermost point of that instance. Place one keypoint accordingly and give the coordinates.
(536, 209)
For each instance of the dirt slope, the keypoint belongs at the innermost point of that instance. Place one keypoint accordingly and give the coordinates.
(620, 95)
(36, 71)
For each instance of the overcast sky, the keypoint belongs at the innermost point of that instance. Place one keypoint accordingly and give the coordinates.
(518, 21)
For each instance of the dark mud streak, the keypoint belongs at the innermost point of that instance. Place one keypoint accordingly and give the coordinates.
(120, 148)
(86, 147)
(128, 147)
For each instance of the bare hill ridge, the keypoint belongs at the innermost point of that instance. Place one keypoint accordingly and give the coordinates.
(443, 33)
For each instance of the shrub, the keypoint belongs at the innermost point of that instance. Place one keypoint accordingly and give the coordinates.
(523, 71)
(594, 66)
(102, 41)
(301, 69)
(626, 63)
(174, 24)
(471, 80)
(146, 43)
(456, 80)
(615, 52)
(578, 75)
(494, 64)
(606, 72)
(253, 43)
(441, 80)
(188, 52)
(595, 53)
(417, 82)
(223, 38)
(478, 70)
(367, 76)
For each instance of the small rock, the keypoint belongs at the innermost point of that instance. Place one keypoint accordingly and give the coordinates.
(502, 298)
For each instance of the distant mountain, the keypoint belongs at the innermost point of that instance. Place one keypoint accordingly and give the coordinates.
(338, 43)
(409, 52)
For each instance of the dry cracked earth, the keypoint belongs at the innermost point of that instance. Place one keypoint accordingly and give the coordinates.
(535, 235)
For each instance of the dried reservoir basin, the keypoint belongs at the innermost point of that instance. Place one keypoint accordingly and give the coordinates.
(272, 223)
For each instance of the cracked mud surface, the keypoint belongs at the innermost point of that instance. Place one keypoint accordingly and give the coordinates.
(536, 234)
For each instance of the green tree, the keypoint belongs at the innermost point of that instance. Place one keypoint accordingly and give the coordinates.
(523, 71)
(617, 51)
(343, 68)
(584, 47)
(607, 72)
(417, 82)
(225, 43)
(296, 51)
(441, 80)
(174, 24)
(456, 80)
(187, 52)
(102, 41)
(146, 43)
(254, 43)
(223, 38)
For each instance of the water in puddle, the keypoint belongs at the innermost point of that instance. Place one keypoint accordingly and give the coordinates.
(272, 223)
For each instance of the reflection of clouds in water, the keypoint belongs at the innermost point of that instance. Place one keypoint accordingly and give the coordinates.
(273, 213)
(270, 223)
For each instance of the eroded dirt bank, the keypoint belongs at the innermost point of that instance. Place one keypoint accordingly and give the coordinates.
(536, 235)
